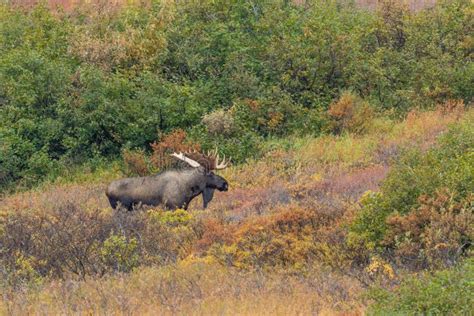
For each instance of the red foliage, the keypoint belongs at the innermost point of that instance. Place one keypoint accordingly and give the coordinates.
(214, 232)
(435, 234)
(169, 143)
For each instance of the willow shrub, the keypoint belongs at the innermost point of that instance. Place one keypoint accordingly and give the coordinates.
(445, 292)
(439, 181)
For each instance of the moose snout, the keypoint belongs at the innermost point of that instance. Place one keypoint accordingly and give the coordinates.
(225, 187)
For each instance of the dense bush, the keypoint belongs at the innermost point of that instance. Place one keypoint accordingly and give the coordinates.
(444, 292)
(282, 240)
(424, 210)
(435, 234)
(93, 82)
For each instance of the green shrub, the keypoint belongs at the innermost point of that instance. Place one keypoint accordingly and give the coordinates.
(241, 145)
(171, 218)
(80, 86)
(449, 165)
(368, 228)
(120, 254)
(447, 292)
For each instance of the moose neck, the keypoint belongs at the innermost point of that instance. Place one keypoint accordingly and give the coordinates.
(195, 177)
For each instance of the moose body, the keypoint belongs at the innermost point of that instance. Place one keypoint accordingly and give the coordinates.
(172, 189)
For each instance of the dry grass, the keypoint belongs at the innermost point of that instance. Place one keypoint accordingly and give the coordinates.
(280, 224)
(196, 289)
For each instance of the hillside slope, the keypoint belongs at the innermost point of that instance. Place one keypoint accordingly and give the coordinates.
(279, 242)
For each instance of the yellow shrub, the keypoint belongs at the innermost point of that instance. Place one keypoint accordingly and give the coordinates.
(350, 113)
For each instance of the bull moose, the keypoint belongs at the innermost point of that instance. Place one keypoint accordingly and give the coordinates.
(172, 188)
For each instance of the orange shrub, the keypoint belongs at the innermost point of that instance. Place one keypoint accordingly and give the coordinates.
(434, 235)
(350, 113)
(169, 143)
(285, 239)
(214, 232)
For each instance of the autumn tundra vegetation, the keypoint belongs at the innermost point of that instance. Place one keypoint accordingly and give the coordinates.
(351, 189)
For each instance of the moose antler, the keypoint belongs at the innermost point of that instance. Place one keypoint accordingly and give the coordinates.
(210, 161)
(191, 162)
(218, 165)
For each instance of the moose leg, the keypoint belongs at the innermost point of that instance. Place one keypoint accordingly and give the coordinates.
(113, 202)
(207, 196)
(135, 206)
(127, 204)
